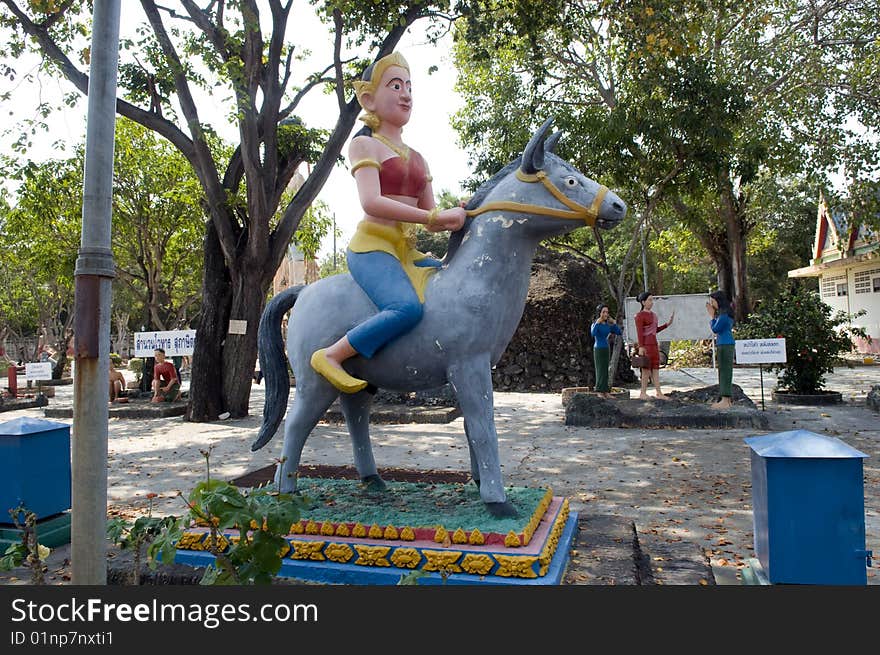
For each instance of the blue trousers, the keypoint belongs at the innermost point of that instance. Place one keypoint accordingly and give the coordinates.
(383, 279)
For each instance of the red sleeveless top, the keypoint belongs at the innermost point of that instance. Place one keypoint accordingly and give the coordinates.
(399, 177)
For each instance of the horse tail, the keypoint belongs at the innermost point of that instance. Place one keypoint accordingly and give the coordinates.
(273, 363)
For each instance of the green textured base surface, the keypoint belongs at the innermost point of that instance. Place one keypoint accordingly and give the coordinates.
(51, 532)
(415, 504)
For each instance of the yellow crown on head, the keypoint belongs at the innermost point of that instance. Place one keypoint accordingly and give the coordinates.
(369, 86)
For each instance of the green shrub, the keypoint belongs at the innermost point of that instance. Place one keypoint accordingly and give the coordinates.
(136, 365)
(690, 354)
(116, 360)
(813, 338)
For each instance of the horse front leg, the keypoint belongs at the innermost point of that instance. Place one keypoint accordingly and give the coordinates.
(472, 381)
(356, 409)
(475, 469)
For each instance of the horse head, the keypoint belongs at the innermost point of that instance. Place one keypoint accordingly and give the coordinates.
(551, 193)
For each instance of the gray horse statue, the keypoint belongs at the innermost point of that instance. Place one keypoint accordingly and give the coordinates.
(473, 305)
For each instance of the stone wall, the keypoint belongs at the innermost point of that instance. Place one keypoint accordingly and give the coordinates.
(874, 398)
(552, 348)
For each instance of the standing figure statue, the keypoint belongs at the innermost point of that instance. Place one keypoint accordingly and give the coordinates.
(472, 303)
(721, 323)
(394, 188)
(603, 326)
(646, 333)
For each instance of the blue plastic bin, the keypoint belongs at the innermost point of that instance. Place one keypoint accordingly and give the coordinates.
(34, 467)
(808, 505)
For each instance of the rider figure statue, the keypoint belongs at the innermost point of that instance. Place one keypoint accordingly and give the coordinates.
(394, 188)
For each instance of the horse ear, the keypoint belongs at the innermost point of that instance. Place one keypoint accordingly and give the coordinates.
(533, 155)
(552, 142)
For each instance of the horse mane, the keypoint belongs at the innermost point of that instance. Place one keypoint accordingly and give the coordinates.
(476, 200)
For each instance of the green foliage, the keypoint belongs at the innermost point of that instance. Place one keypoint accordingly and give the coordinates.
(159, 534)
(330, 265)
(262, 518)
(28, 551)
(136, 364)
(685, 105)
(690, 354)
(814, 339)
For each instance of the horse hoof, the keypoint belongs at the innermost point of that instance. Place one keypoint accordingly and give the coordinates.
(502, 510)
(373, 483)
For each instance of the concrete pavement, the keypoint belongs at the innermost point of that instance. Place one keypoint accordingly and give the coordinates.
(678, 487)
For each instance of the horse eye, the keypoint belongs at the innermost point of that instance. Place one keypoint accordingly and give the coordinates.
(570, 181)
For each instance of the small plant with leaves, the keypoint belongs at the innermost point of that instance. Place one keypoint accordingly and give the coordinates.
(28, 551)
(262, 518)
(159, 534)
(814, 339)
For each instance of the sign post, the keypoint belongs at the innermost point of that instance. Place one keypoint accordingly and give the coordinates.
(760, 351)
(38, 371)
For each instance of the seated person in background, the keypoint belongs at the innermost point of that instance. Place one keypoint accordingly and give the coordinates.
(117, 385)
(166, 386)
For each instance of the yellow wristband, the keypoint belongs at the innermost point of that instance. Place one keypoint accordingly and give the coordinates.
(432, 216)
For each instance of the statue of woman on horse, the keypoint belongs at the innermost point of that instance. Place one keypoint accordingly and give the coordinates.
(403, 322)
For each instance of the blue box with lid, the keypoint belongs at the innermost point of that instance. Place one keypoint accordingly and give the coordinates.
(808, 508)
(34, 467)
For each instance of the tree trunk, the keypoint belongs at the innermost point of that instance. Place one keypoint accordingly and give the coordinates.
(206, 399)
(240, 350)
(732, 215)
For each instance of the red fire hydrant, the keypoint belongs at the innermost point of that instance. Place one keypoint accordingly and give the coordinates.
(11, 374)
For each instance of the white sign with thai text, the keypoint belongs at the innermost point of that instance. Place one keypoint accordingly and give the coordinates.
(38, 371)
(173, 342)
(760, 351)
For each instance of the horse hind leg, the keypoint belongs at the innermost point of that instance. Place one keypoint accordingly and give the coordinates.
(356, 409)
(309, 405)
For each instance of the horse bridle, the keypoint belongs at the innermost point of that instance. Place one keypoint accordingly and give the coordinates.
(576, 211)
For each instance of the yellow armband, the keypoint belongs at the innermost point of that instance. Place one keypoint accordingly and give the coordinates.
(365, 162)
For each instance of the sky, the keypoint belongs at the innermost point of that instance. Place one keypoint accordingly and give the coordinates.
(429, 130)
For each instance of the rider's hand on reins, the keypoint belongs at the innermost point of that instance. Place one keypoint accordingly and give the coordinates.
(449, 219)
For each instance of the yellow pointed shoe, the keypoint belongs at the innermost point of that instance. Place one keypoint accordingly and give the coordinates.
(335, 376)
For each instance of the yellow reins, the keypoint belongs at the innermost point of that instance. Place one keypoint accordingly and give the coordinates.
(576, 211)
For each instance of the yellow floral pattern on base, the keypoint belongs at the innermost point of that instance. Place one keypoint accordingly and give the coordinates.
(307, 550)
(407, 534)
(191, 541)
(406, 558)
(339, 553)
(372, 555)
(477, 564)
(516, 566)
(512, 540)
(439, 560)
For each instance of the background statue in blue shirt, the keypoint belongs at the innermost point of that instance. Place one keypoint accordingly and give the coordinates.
(721, 315)
(601, 328)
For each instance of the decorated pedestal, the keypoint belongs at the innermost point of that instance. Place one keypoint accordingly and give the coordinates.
(352, 536)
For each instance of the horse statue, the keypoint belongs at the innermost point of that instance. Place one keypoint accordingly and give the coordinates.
(473, 305)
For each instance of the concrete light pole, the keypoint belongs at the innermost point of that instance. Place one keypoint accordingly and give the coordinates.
(94, 273)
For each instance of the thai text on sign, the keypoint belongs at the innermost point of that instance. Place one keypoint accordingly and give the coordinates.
(760, 351)
(173, 342)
